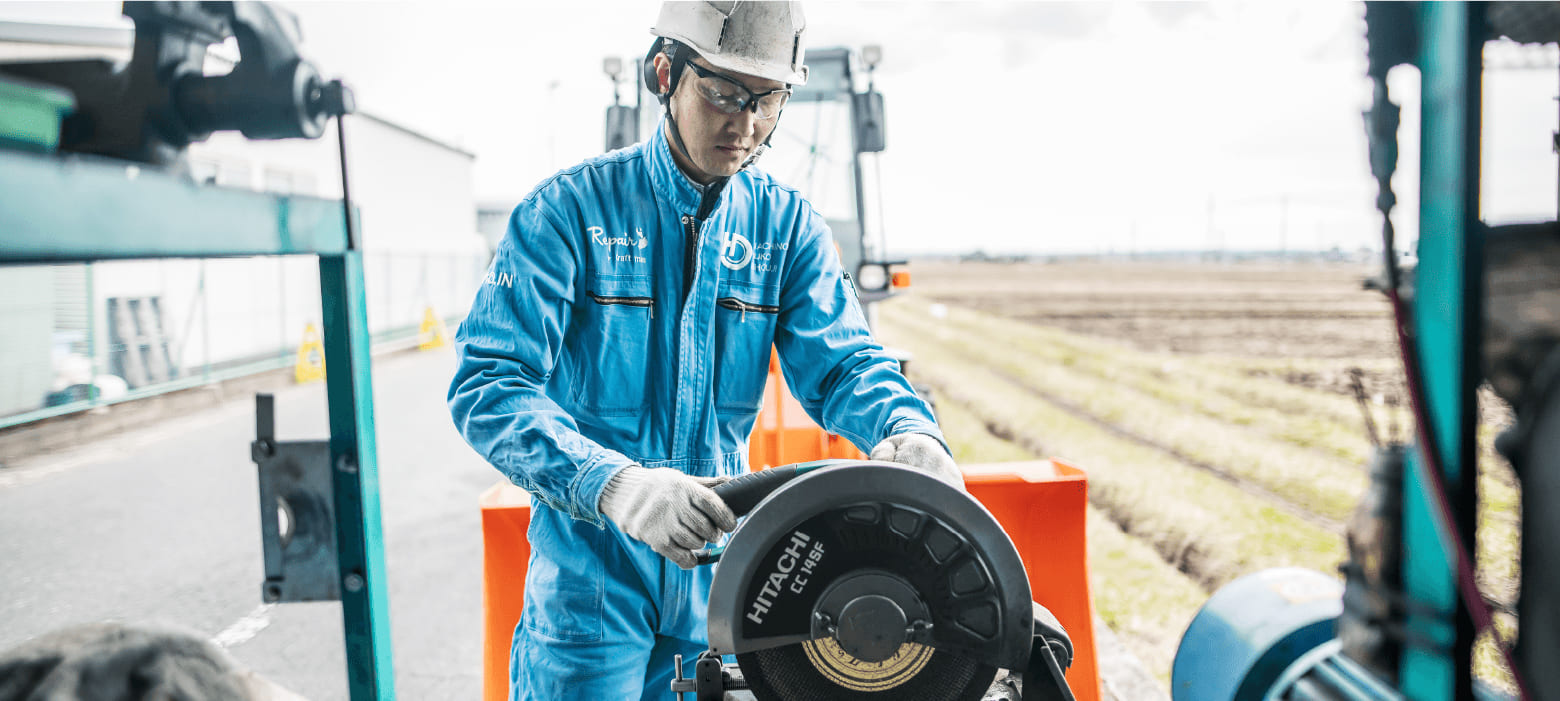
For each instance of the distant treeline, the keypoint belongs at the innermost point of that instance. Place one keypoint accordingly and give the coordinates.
(1335, 255)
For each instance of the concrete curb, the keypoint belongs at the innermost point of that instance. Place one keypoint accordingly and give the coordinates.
(47, 436)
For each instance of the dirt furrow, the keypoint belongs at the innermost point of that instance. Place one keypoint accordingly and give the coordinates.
(1200, 523)
(1255, 489)
(1143, 599)
(1309, 420)
(1329, 426)
(1496, 538)
(1292, 475)
(1204, 560)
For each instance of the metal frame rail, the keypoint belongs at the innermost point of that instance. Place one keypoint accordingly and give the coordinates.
(76, 209)
(1447, 319)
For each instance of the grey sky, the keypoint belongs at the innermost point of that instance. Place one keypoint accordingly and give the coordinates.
(1011, 125)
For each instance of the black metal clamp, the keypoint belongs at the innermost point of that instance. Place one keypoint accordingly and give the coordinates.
(297, 513)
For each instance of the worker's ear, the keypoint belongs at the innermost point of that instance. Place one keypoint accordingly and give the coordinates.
(663, 73)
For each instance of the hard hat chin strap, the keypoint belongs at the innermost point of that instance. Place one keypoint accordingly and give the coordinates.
(679, 58)
(757, 152)
(677, 135)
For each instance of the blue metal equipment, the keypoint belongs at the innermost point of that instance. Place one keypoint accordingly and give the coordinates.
(1410, 611)
(1251, 630)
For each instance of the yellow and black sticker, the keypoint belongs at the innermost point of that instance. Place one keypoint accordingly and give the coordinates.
(844, 669)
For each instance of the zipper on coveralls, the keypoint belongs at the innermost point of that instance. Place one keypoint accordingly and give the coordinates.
(641, 302)
(690, 253)
(709, 196)
(738, 305)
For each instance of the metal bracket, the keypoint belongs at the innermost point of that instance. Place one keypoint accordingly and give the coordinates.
(711, 680)
(297, 514)
(1045, 680)
(1050, 655)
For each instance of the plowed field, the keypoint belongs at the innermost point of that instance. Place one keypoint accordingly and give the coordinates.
(1210, 404)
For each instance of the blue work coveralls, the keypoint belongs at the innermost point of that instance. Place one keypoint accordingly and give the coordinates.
(581, 356)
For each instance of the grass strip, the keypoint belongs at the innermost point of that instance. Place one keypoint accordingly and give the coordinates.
(1242, 391)
(1313, 482)
(1204, 526)
(1498, 537)
(1145, 600)
(1327, 422)
(1222, 388)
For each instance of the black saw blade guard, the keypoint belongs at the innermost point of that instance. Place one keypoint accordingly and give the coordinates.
(933, 549)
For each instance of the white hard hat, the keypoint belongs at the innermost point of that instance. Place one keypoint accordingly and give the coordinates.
(762, 39)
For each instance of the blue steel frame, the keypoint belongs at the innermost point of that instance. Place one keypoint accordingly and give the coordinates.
(77, 209)
(1447, 322)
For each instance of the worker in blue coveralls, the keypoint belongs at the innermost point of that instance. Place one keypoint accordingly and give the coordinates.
(614, 360)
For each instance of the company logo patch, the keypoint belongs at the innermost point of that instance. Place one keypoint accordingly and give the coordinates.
(600, 236)
(634, 244)
(736, 252)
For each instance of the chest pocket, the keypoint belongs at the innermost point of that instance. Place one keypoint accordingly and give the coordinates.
(745, 318)
(612, 338)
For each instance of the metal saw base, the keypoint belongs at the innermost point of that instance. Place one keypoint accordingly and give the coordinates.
(714, 680)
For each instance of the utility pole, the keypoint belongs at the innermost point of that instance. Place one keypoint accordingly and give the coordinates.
(1215, 245)
(1283, 226)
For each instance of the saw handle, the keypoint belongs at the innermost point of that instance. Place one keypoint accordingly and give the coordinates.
(743, 493)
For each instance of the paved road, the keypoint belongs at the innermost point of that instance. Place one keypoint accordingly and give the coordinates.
(162, 524)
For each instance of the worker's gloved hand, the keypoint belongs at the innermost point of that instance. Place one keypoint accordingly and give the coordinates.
(713, 482)
(920, 451)
(670, 511)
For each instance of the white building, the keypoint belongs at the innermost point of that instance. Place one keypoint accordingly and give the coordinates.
(58, 325)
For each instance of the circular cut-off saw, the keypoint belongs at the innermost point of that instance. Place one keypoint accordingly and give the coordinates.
(858, 580)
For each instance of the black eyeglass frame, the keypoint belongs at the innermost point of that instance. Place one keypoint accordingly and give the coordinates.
(748, 103)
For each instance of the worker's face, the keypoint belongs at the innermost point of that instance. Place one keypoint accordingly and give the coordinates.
(718, 142)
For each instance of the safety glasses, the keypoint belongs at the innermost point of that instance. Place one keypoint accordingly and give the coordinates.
(732, 97)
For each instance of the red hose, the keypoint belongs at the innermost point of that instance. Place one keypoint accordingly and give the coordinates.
(1469, 588)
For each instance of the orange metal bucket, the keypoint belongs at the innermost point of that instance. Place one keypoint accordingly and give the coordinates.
(506, 552)
(1041, 505)
(784, 434)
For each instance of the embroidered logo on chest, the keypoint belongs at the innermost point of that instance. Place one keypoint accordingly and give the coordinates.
(599, 235)
(736, 252)
(628, 247)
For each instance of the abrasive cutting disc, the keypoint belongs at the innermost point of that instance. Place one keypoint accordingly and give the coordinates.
(819, 669)
(870, 582)
(886, 541)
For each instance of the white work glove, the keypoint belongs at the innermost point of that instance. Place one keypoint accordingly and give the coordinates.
(672, 512)
(920, 451)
